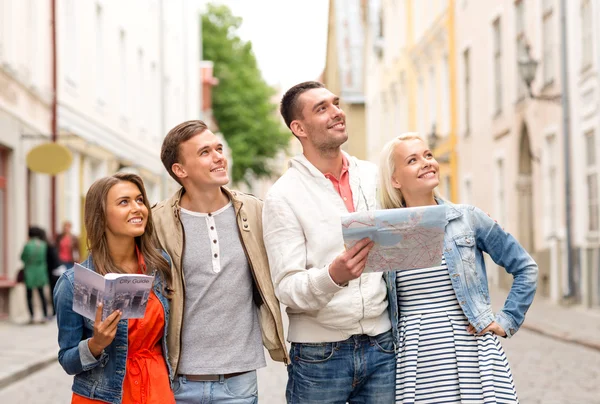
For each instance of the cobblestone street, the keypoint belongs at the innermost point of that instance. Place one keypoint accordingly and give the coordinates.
(545, 371)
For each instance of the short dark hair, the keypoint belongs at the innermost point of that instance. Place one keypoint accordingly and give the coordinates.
(290, 108)
(169, 153)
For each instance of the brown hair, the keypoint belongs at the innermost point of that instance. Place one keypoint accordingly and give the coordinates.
(290, 108)
(169, 153)
(95, 226)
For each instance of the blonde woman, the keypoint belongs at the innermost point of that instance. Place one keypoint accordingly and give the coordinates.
(449, 349)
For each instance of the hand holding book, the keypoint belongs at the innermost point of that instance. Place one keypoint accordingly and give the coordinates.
(104, 331)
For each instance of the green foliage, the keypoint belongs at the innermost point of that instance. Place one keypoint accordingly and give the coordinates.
(242, 100)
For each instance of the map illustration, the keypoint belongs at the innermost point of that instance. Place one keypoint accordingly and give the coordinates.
(405, 238)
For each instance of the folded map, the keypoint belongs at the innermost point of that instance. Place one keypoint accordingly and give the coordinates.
(405, 238)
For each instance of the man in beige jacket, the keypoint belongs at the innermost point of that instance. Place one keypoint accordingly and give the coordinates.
(223, 307)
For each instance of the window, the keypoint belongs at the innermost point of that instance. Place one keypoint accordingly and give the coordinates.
(123, 75)
(467, 81)
(497, 66)
(27, 62)
(7, 49)
(72, 59)
(100, 57)
(586, 34)
(141, 97)
(551, 186)
(403, 103)
(445, 97)
(421, 107)
(3, 212)
(447, 187)
(500, 193)
(592, 181)
(548, 42)
(153, 110)
(468, 192)
(520, 45)
(34, 57)
(432, 99)
(3, 34)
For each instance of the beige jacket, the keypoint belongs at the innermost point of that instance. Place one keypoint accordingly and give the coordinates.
(248, 210)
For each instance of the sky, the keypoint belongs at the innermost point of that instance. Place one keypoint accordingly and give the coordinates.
(289, 37)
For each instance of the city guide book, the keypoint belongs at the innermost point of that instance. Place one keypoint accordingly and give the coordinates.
(405, 238)
(126, 292)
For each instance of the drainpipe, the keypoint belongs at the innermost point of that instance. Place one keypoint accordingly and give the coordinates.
(161, 81)
(570, 293)
(54, 117)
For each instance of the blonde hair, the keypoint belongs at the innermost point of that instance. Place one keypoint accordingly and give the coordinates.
(390, 197)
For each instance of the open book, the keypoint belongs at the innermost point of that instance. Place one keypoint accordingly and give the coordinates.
(405, 238)
(126, 292)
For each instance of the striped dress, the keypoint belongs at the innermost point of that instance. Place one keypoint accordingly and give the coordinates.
(438, 360)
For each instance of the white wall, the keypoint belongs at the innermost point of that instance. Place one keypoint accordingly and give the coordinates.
(111, 59)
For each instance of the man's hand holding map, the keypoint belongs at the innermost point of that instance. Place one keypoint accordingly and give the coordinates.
(405, 238)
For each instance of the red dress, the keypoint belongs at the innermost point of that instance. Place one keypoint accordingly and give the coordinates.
(146, 376)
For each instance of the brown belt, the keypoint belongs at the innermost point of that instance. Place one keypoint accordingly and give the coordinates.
(210, 378)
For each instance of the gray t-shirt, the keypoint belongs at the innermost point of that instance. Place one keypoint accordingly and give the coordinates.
(221, 331)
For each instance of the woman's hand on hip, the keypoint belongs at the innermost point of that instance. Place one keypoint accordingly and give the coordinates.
(104, 331)
(493, 327)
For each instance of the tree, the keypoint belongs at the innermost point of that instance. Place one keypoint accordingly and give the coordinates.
(242, 103)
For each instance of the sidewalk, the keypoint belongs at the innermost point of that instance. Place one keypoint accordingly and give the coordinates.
(571, 324)
(28, 348)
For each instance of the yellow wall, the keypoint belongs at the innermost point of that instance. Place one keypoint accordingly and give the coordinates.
(434, 48)
(355, 113)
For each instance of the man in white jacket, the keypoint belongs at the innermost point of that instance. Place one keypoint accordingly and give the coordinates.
(342, 347)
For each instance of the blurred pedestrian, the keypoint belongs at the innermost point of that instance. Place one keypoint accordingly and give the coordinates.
(36, 269)
(118, 361)
(54, 265)
(448, 349)
(68, 245)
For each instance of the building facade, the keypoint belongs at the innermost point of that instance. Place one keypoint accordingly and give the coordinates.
(512, 149)
(343, 74)
(25, 122)
(127, 73)
(409, 78)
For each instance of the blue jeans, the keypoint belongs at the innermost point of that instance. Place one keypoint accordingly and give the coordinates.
(242, 389)
(361, 369)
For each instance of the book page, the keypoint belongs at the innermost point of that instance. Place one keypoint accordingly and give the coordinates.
(131, 293)
(88, 291)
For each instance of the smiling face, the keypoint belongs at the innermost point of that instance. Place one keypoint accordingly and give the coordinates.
(126, 213)
(202, 162)
(322, 123)
(416, 172)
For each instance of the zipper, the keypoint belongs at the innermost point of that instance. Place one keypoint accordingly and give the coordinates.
(256, 283)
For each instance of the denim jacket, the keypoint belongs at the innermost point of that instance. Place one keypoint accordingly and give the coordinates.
(102, 378)
(469, 233)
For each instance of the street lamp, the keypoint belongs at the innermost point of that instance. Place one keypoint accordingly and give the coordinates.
(527, 70)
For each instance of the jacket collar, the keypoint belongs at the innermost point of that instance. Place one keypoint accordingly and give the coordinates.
(174, 201)
(301, 163)
(452, 212)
